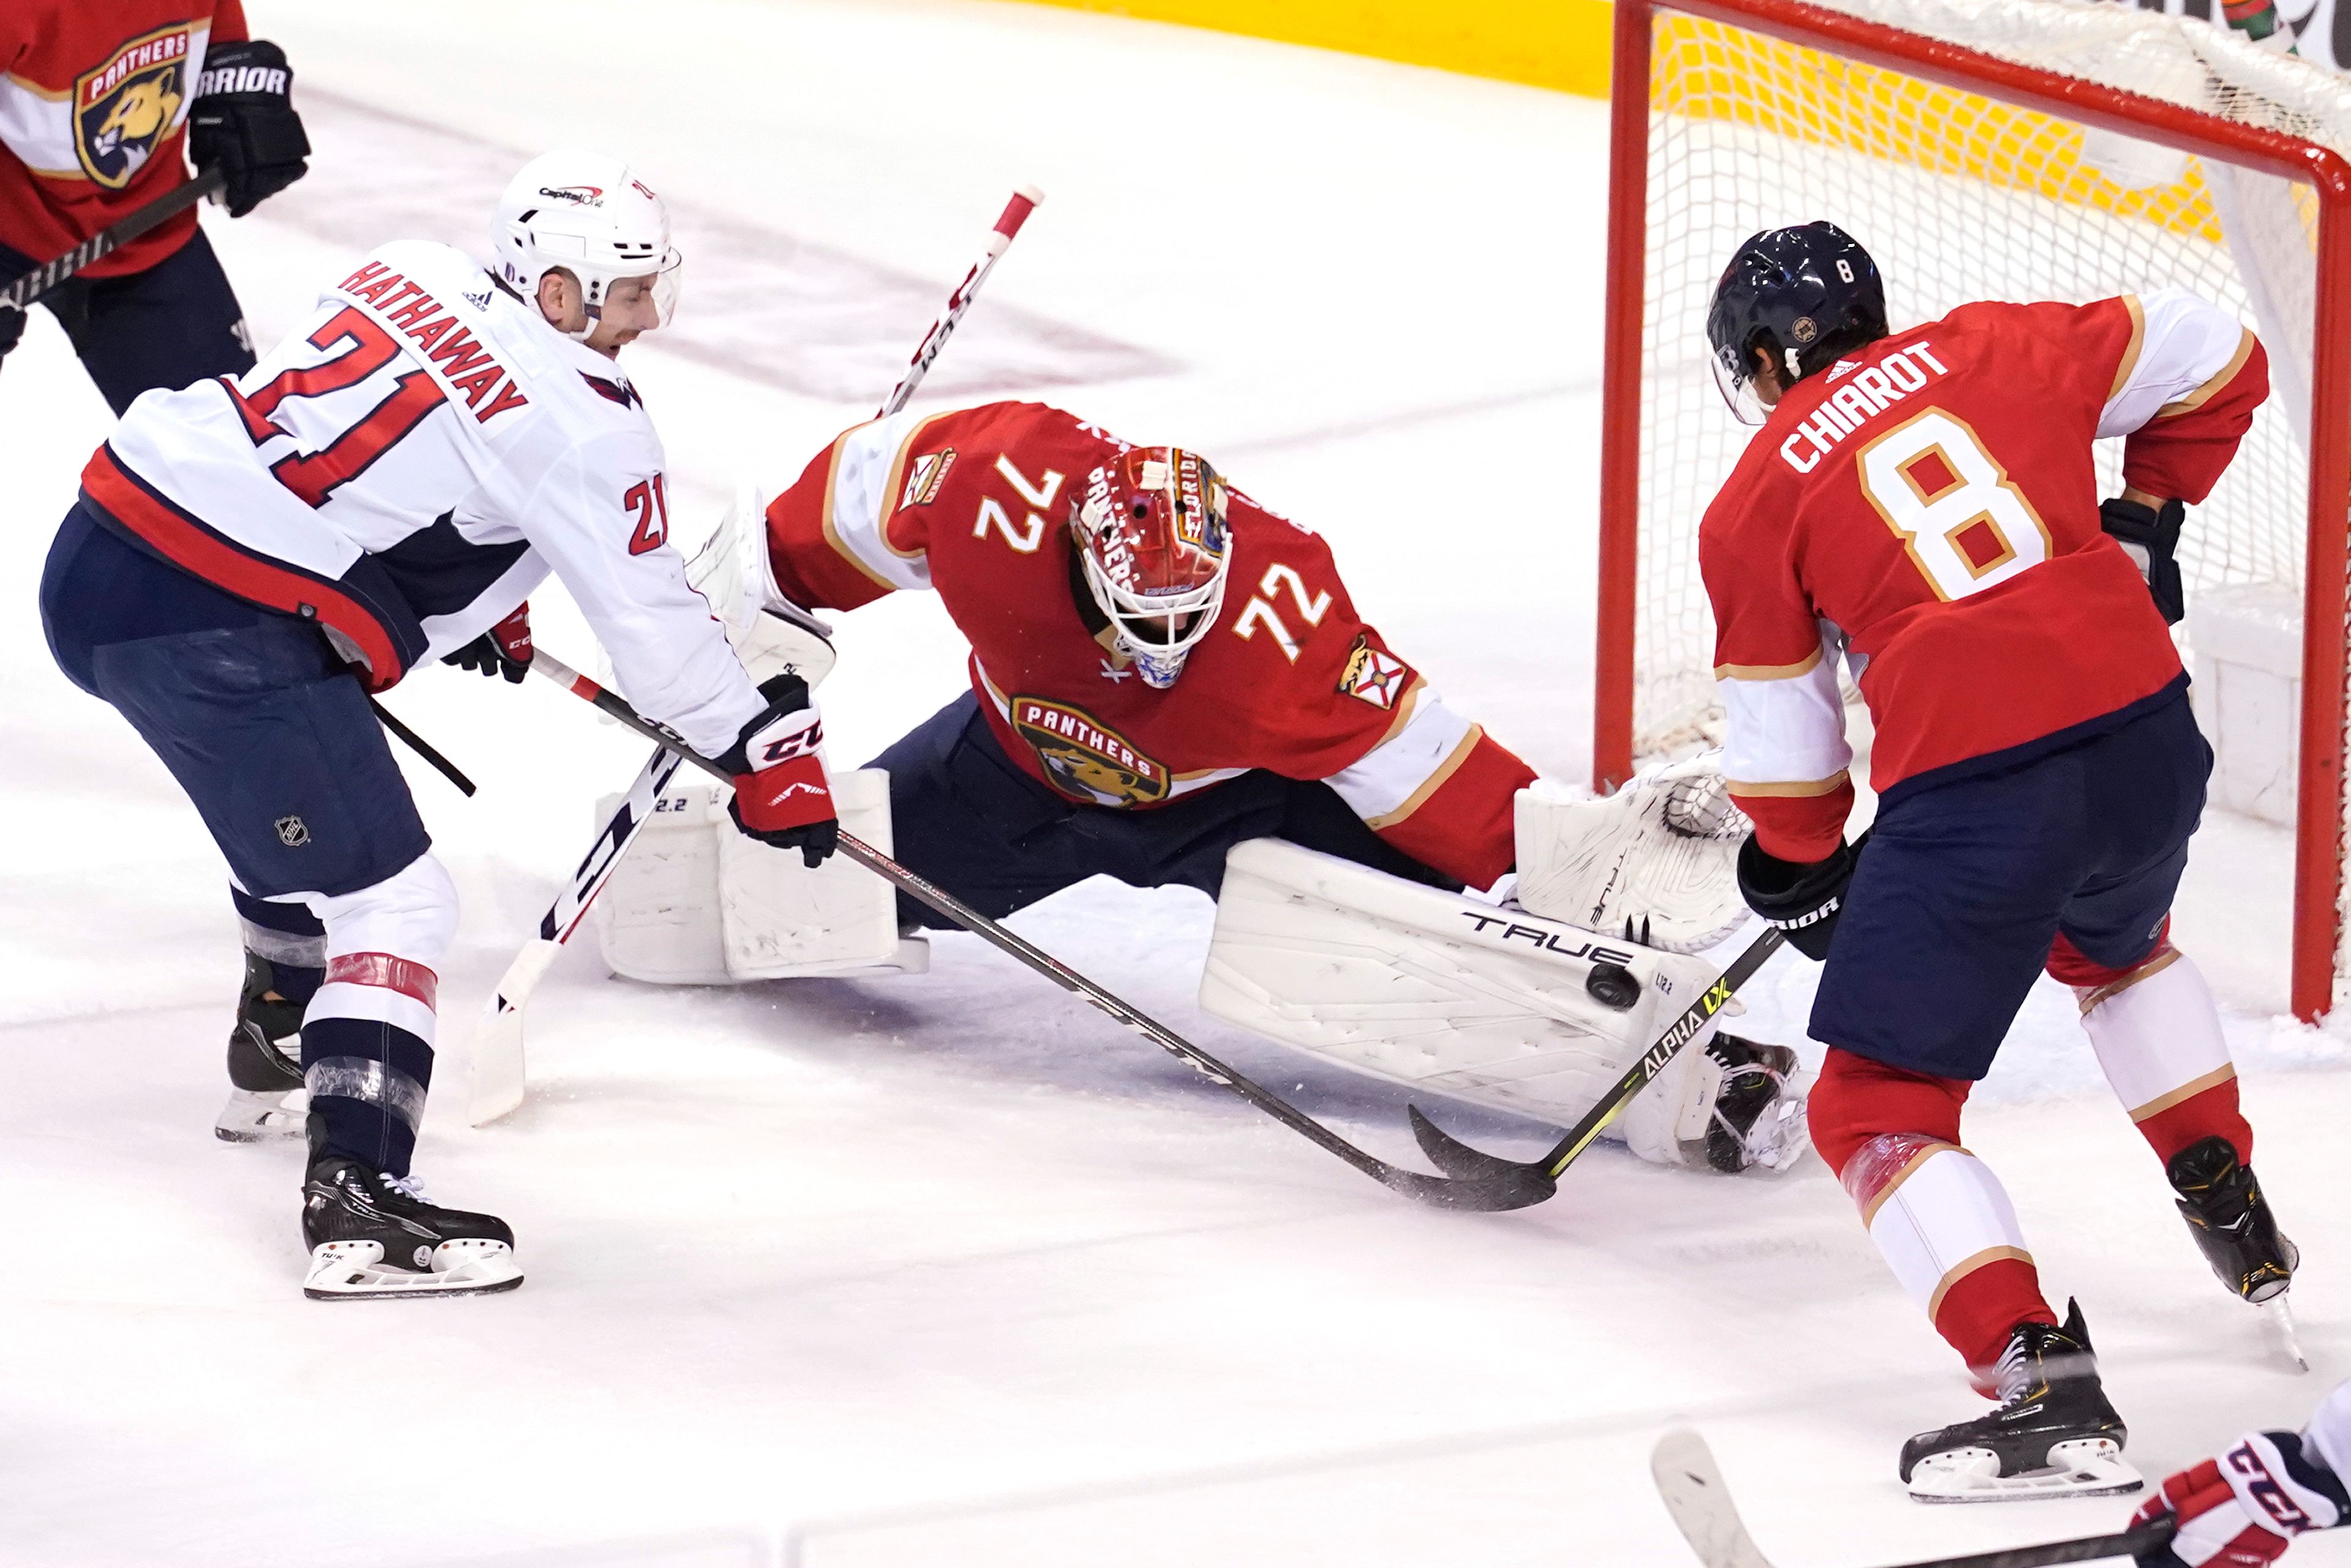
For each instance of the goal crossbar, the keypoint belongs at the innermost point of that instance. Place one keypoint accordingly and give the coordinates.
(2319, 855)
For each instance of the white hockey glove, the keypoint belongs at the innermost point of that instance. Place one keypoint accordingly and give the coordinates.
(1658, 859)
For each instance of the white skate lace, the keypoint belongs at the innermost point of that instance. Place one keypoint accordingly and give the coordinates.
(408, 1186)
(2014, 1375)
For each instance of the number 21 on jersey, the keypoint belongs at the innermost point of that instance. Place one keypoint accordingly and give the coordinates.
(1965, 524)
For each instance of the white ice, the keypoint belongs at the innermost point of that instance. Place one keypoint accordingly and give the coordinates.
(950, 1271)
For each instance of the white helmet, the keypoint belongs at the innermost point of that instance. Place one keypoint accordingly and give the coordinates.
(589, 214)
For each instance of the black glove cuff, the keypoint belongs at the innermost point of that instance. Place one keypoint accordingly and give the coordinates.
(2133, 522)
(1803, 900)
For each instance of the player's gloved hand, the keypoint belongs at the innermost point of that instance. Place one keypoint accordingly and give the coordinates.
(1803, 900)
(503, 650)
(2243, 1509)
(242, 122)
(781, 798)
(12, 327)
(2149, 537)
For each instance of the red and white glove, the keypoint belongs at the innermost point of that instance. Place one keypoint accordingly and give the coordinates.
(781, 798)
(503, 650)
(2243, 1509)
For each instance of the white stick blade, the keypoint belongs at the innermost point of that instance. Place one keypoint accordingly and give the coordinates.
(1692, 1486)
(495, 1084)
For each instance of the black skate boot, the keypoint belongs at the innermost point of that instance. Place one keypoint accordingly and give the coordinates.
(2053, 1435)
(2232, 1221)
(265, 1098)
(1755, 1120)
(371, 1235)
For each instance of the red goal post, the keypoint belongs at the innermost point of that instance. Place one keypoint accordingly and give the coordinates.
(1832, 43)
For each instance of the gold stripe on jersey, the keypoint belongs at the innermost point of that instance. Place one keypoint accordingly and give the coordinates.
(2219, 380)
(1434, 782)
(1804, 666)
(2131, 351)
(1797, 788)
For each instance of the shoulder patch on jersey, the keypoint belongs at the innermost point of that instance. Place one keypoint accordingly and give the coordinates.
(926, 476)
(125, 108)
(1372, 675)
(613, 389)
(1086, 759)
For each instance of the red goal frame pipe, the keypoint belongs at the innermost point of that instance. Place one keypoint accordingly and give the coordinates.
(2318, 848)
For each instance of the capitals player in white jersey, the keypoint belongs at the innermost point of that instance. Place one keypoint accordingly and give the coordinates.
(249, 559)
(2243, 1509)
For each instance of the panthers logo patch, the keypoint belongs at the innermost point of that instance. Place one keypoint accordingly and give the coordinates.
(1085, 759)
(125, 109)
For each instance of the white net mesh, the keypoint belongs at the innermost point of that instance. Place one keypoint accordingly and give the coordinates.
(1961, 197)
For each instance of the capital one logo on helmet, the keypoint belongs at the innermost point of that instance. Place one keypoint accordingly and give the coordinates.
(125, 109)
(586, 195)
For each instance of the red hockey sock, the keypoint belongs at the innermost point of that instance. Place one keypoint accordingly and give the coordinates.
(1937, 1213)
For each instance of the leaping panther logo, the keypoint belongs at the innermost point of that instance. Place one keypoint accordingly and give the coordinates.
(128, 108)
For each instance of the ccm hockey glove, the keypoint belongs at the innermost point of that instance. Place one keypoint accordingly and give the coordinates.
(503, 650)
(781, 798)
(2243, 1509)
(243, 121)
(1803, 900)
(2149, 537)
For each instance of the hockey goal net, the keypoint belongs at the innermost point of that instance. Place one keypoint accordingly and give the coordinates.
(1980, 149)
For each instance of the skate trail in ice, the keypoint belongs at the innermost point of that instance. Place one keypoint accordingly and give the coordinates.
(951, 1270)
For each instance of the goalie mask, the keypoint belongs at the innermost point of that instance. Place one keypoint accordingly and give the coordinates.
(589, 214)
(1151, 539)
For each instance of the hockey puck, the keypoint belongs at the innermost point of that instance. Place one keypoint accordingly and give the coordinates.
(1612, 986)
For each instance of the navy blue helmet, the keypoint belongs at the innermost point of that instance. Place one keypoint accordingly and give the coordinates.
(1803, 295)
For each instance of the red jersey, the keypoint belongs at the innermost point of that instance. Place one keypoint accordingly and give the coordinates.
(1929, 508)
(94, 98)
(975, 505)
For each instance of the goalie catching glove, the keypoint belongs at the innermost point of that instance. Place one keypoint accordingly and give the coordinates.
(1655, 860)
(781, 798)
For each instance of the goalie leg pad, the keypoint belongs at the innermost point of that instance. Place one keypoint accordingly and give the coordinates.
(698, 904)
(1441, 991)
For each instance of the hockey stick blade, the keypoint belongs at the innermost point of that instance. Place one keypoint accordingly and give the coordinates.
(1455, 1158)
(1508, 1189)
(494, 1085)
(1691, 1485)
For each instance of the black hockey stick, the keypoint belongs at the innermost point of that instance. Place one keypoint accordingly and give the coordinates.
(419, 745)
(1455, 1158)
(25, 287)
(1507, 1188)
(1691, 1485)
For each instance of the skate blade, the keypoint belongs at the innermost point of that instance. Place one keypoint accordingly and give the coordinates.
(2281, 1328)
(356, 1271)
(259, 1115)
(2087, 1467)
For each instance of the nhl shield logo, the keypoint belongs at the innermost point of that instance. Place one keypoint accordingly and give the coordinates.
(126, 109)
(293, 832)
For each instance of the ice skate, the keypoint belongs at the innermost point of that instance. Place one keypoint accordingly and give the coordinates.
(1756, 1121)
(2054, 1435)
(374, 1236)
(266, 1098)
(2221, 1200)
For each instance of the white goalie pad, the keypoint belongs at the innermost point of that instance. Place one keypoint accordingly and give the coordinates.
(770, 633)
(1444, 992)
(1662, 853)
(698, 904)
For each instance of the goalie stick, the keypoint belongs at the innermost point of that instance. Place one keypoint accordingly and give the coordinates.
(1457, 1158)
(1691, 1485)
(495, 1079)
(1507, 1188)
(27, 287)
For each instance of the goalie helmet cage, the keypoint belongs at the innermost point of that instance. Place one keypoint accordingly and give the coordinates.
(1979, 151)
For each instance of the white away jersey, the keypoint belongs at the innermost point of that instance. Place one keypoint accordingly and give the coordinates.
(407, 466)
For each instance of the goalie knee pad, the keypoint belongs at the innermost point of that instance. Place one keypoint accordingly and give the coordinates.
(1441, 991)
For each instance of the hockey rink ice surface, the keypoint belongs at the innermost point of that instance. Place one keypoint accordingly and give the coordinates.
(951, 1270)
